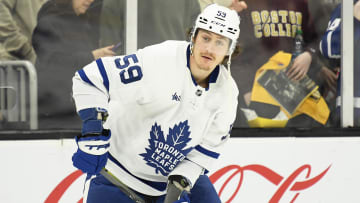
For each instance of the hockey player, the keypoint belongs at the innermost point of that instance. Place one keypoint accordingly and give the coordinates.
(155, 120)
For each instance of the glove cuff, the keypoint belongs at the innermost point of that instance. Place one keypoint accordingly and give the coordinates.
(93, 114)
(93, 119)
(92, 127)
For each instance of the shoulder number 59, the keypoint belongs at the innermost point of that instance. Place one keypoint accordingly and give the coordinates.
(130, 71)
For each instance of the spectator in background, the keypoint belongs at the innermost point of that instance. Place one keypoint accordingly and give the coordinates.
(158, 20)
(266, 28)
(17, 21)
(65, 39)
(330, 47)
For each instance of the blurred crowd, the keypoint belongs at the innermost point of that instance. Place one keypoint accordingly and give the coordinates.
(61, 36)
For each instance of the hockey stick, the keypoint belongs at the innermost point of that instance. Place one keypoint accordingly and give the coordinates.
(131, 194)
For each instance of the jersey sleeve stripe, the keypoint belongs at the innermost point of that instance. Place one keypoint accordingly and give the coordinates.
(101, 67)
(207, 152)
(84, 77)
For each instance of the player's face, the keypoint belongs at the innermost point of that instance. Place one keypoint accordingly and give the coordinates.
(209, 50)
(81, 6)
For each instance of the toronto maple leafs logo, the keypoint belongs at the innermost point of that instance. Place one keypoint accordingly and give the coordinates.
(164, 155)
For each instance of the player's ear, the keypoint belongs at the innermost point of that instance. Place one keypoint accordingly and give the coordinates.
(189, 33)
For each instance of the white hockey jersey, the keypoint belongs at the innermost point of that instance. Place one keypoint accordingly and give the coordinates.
(162, 123)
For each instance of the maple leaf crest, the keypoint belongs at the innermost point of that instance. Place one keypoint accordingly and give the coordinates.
(164, 155)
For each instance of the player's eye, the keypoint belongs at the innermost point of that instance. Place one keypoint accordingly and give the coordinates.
(219, 43)
(206, 38)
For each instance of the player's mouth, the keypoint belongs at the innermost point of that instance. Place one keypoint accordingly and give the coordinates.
(207, 58)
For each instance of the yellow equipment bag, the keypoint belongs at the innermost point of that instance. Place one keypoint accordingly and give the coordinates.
(315, 107)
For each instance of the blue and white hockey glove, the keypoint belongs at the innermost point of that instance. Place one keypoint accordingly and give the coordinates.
(178, 189)
(184, 198)
(94, 142)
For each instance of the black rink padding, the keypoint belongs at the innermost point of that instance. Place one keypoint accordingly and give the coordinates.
(236, 132)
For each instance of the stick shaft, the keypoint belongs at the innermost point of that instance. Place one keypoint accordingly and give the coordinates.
(126, 190)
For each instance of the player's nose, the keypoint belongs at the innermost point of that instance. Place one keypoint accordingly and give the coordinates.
(210, 47)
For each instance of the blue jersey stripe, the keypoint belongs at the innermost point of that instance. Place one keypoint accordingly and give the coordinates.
(207, 152)
(84, 77)
(103, 73)
(161, 186)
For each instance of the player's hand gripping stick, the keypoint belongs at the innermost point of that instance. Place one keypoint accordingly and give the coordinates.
(94, 142)
(178, 189)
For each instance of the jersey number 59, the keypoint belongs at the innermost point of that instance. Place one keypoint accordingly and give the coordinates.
(130, 71)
